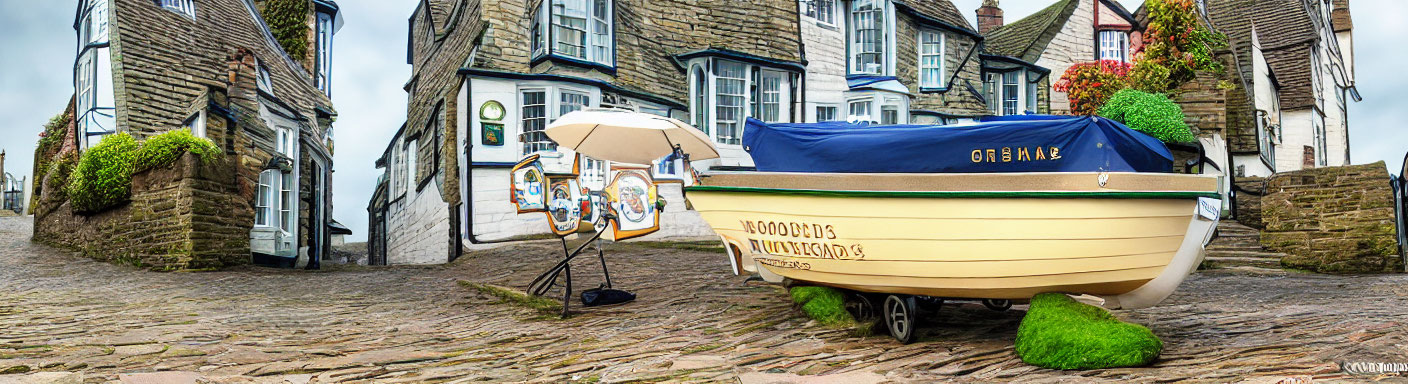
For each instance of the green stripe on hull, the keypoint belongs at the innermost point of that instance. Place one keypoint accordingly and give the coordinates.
(963, 194)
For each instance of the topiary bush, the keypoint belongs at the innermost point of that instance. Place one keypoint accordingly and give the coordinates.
(1061, 333)
(164, 149)
(103, 177)
(824, 304)
(1151, 113)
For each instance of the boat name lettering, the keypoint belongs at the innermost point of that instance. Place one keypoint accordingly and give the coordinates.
(784, 263)
(1019, 154)
(793, 229)
(807, 249)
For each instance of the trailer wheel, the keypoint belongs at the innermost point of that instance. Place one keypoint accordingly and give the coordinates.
(900, 317)
(998, 304)
(861, 307)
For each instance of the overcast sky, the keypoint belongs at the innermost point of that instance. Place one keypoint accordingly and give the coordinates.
(37, 53)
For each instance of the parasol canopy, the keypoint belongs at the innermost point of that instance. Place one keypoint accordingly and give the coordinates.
(628, 137)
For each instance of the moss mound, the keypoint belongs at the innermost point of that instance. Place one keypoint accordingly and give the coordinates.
(824, 304)
(103, 177)
(165, 149)
(1151, 113)
(1061, 333)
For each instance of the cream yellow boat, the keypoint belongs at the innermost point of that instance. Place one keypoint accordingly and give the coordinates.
(1128, 238)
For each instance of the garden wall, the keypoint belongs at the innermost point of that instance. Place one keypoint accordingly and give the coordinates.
(1332, 220)
(1249, 192)
(178, 219)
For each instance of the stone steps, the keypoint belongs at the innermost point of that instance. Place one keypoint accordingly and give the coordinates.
(1239, 247)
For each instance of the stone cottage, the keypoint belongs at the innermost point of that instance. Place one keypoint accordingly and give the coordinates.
(488, 76)
(1066, 33)
(259, 92)
(1294, 59)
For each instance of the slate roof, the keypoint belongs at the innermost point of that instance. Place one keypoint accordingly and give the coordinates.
(942, 10)
(1286, 33)
(1027, 38)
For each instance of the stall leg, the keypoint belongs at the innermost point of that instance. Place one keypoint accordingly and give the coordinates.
(567, 291)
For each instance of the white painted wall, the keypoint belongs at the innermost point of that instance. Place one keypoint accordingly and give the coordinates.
(1074, 44)
(826, 67)
(1296, 133)
(419, 231)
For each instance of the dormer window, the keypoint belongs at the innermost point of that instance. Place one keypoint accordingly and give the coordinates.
(183, 7)
(577, 30)
(1114, 45)
(870, 30)
(264, 81)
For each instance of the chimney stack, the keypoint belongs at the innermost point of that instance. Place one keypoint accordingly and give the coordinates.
(989, 17)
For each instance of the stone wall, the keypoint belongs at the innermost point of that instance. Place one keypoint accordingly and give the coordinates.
(1333, 220)
(177, 220)
(1249, 193)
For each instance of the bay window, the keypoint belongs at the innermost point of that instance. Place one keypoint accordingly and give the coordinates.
(1113, 45)
(859, 111)
(262, 199)
(575, 29)
(724, 93)
(1011, 92)
(931, 59)
(869, 37)
(541, 104)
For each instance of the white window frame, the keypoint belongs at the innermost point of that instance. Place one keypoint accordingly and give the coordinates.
(827, 112)
(264, 200)
(936, 63)
(262, 79)
(821, 11)
(534, 140)
(730, 132)
(324, 56)
(412, 166)
(1113, 42)
(882, 15)
(859, 110)
(1033, 93)
(597, 42)
(184, 7)
(554, 106)
(995, 89)
(774, 101)
(700, 94)
(196, 123)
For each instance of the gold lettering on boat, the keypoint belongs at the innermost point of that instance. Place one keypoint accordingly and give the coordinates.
(1007, 154)
(798, 239)
(1015, 154)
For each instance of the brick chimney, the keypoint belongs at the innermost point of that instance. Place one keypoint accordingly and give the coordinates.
(989, 17)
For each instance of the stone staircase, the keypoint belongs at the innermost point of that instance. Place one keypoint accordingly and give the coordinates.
(1239, 247)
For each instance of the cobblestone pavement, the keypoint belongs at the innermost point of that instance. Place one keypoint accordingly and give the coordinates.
(693, 321)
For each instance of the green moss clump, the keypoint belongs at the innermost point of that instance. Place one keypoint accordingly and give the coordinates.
(288, 21)
(103, 177)
(1151, 113)
(165, 149)
(824, 304)
(1061, 333)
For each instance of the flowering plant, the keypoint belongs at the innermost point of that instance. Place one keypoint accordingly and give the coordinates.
(1089, 85)
(1177, 40)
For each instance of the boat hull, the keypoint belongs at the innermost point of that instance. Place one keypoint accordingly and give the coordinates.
(925, 235)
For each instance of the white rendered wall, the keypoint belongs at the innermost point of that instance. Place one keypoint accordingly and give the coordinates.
(826, 68)
(1074, 44)
(419, 233)
(1296, 133)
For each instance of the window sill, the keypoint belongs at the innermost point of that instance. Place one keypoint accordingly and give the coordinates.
(572, 61)
(933, 89)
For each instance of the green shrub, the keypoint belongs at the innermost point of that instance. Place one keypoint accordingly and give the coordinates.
(165, 149)
(824, 304)
(50, 142)
(1061, 333)
(60, 169)
(1151, 113)
(103, 177)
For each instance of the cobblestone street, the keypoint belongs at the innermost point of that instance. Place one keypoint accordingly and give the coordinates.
(693, 321)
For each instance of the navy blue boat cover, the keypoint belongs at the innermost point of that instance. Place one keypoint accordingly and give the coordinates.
(1030, 143)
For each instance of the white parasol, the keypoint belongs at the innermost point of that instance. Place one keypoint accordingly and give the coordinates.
(628, 137)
